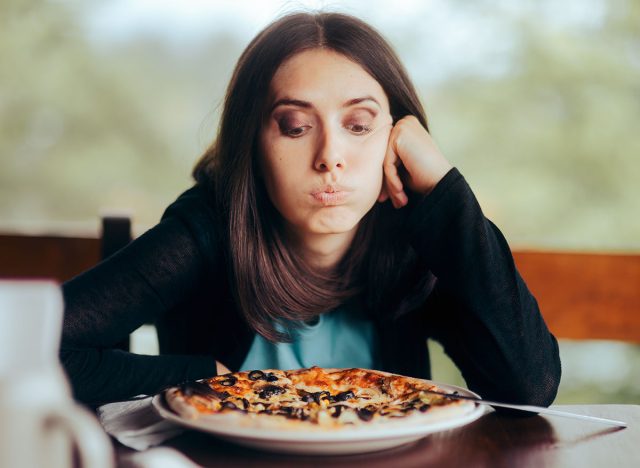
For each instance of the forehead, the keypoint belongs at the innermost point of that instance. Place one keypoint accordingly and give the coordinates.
(321, 75)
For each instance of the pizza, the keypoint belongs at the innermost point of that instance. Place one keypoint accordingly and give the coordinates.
(314, 398)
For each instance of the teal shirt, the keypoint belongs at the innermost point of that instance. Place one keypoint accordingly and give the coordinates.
(341, 338)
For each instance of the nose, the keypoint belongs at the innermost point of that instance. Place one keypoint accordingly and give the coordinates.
(329, 155)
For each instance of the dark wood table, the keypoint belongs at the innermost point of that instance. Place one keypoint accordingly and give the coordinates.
(495, 440)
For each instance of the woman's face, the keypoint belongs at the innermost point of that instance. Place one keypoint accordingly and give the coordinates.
(323, 142)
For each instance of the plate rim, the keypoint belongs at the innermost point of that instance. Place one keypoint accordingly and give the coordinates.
(340, 436)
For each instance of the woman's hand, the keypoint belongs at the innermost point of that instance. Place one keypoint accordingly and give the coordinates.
(412, 161)
(221, 368)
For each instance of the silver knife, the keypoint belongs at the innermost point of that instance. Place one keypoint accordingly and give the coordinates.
(531, 409)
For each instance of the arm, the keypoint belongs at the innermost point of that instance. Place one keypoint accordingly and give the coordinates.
(136, 285)
(481, 310)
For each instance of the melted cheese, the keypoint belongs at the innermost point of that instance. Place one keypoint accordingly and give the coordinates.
(383, 395)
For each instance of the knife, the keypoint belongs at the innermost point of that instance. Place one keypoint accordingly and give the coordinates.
(531, 408)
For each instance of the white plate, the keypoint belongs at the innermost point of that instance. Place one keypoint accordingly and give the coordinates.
(359, 439)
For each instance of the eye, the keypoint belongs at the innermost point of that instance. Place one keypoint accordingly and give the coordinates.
(292, 127)
(358, 129)
(295, 131)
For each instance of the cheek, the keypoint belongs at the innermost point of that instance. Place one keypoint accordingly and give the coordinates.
(284, 173)
(370, 159)
(282, 176)
(375, 145)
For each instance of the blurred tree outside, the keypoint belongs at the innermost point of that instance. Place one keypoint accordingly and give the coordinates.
(87, 128)
(543, 123)
(553, 145)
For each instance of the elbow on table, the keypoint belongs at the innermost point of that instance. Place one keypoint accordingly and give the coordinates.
(538, 389)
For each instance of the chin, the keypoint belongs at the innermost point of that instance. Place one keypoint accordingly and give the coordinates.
(334, 226)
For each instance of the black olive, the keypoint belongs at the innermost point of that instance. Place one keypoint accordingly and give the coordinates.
(256, 375)
(270, 377)
(305, 396)
(229, 405)
(323, 395)
(269, 390)
(245, 403)
(365, 414)
(344, 396)
(337, 411)
(229, 381)
(294, 413)
(266, 411)
(290, 413)
(383, 384)
(202, 389)
(424, 408)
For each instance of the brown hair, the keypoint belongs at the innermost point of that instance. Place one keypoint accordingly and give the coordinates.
(271, 282)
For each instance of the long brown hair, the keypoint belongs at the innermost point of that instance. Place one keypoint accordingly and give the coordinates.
(271, 282)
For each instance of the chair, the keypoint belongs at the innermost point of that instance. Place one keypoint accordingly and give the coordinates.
(585, 296)
(581, 295)
(62, 257)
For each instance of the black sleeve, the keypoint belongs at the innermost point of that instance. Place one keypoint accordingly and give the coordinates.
(136, 285)
(480, 309)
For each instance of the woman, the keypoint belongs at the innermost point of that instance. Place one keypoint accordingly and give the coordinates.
(325, 228)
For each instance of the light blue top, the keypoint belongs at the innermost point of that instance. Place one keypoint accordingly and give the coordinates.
(343, 337)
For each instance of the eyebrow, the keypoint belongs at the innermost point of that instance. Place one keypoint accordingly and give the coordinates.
(308, 105)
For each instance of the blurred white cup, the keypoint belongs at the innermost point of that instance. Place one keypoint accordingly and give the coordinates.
(40, 425)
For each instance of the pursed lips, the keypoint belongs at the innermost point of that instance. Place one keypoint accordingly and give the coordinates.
(331, 195)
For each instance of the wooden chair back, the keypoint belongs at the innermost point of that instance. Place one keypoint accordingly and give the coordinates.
(581, 295)
(60, 257)
(585, 295)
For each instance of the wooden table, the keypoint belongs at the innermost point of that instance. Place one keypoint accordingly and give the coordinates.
(495, 440)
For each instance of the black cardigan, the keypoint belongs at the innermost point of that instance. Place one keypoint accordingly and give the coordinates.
(478, 306)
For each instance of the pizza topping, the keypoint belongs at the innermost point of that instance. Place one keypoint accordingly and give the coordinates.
(202, 389)
(324, 397)
(269, 390)
(294, 413)
(228, 405)
(319, 396)
(229, 381)
(343, 396)
(305, 396)
(337, 409)
(385, 386)
(256, 375)
(365, 414)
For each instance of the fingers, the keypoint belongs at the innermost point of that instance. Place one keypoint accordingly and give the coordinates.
(393, 187)
(221, 368)
(384, 195)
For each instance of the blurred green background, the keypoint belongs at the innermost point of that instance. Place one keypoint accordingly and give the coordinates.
(107, 105)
